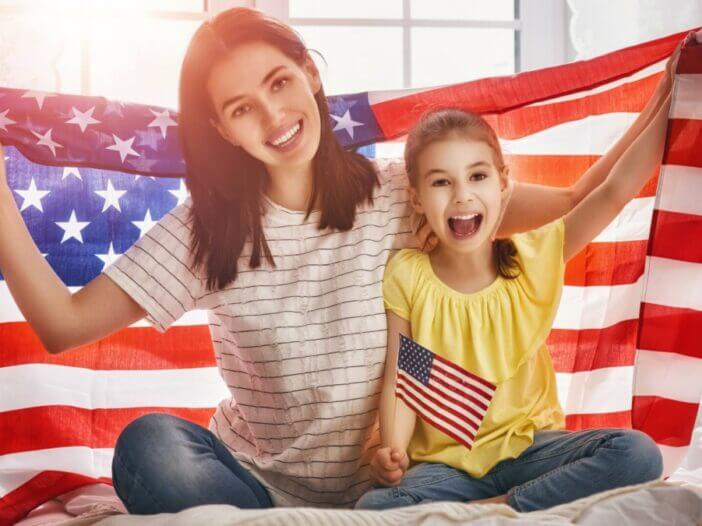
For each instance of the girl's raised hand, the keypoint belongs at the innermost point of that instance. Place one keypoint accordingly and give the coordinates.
(3, 175)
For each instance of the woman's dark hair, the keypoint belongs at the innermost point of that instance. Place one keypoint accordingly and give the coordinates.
(226, 184)
(442, 124)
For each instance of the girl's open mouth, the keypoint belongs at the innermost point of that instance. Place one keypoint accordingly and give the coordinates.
(289, 139)
(465, 226)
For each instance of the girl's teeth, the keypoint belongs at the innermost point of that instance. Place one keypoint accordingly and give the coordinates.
(289, 135)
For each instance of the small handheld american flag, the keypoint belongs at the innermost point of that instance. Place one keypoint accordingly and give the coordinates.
(441, 393)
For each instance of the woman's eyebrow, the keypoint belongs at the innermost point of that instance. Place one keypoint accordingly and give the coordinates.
(268, 76)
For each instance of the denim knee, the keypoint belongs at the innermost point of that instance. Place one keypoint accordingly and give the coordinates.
(641, 458)
(383, 499)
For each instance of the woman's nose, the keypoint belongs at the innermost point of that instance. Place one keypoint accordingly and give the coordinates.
(272, 114)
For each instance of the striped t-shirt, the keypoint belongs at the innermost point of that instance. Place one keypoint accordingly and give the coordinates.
(300, 346)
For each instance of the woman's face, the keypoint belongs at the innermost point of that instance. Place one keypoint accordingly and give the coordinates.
(458, 189)
(264, 103)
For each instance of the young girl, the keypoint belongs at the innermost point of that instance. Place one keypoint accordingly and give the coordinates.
(487, 306)
(284, 242)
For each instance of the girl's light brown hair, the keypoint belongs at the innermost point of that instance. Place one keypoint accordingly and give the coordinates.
(225, 182)
(444, 124)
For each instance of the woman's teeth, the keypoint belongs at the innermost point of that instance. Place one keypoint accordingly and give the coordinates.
(287, 136)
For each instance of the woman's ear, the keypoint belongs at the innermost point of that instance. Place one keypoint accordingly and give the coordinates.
(312, 73)
(415, 201)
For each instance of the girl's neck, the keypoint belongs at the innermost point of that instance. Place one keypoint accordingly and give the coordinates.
(466, 273)
(291, 187)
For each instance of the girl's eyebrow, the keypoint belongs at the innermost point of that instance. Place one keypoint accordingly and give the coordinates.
(469, 167)
(268, 76)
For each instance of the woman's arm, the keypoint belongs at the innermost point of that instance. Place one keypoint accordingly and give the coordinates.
(532, 205)
(627, 177)
(61, 320)
(397, 421)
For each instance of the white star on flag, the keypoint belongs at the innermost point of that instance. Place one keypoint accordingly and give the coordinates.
(163, 121)
(39, 96)
(5, 121)
(83, 119)
(111, 196)
(46, 140)
(72, 228)
(123, 147)
(32, 196)
(145, 225)
(108, 258)
(181, 194)
(71, 171)
(346, 123)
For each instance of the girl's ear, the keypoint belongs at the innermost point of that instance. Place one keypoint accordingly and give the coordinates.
(312, 73)
(504, 178)
(415, 201)
(222, 131)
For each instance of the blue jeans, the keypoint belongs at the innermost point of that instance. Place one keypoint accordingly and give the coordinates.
(166, 464)
(560, 466)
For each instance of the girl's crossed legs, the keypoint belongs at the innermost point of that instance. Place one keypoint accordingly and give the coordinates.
(560, 466)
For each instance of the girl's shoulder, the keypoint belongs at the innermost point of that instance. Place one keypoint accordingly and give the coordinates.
(545, 242)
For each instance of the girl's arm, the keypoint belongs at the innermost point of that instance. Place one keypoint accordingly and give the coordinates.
(60, 319)
(396, 419)
(627, 177)
(533, 205)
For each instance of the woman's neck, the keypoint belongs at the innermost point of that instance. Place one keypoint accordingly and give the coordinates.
(291, 187)
(466, 273)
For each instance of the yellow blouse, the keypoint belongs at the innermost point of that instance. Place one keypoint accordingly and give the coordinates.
(498, 333)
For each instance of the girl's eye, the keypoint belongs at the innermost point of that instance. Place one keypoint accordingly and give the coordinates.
(238, 112)
(280, 83)
(478, 176)
(440, 182)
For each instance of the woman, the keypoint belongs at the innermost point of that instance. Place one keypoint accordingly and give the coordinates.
(284, 242)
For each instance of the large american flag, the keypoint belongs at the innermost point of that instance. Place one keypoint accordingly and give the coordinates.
(441, 392)
(87, 174)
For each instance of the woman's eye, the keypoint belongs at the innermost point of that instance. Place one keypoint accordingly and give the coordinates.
(238, 112)
(478, 176)
(280, 83)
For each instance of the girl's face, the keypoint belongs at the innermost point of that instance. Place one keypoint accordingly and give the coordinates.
(264, 102)
(458, 189)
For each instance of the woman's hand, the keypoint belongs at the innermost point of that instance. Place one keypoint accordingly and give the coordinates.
(389, 465)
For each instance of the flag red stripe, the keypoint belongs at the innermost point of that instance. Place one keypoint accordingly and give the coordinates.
(459, 400)
(495, 95)
(668, 422)
(49, 484)
(65, 426)
(589, 349)
(670, 329)
(436, 423)
(135, 348)
(626, 98)
(615, 263)
(449, 367)
(683, 146)
(670, 230)
(620, 419)
(451, 376)
(435, 396)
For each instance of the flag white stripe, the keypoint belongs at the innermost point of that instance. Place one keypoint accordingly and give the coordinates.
(669, 375)
(597, 307)
(443, 368)
(672, 456)
(9, 312)
(686, 102)
(11, 481)
(606, 390)
(633, 222)
(89, 389)
(76, 459)
(680, 189)
(674, 283)
(593, 135)
(417, 389)
(439, 374)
